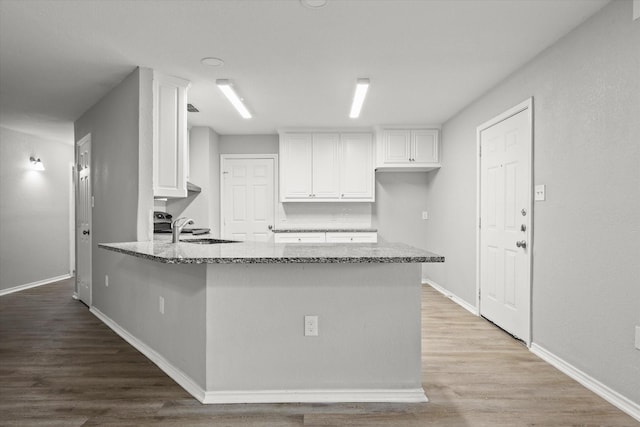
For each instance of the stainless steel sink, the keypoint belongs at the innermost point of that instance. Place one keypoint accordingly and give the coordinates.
(208, 241)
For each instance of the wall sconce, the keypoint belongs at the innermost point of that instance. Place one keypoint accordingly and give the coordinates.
(36, 164)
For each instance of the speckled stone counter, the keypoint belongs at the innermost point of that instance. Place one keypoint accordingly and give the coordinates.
(271, 253)
(324, 230)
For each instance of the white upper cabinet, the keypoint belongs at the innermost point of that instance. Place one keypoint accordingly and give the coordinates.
(408, 149)
(296, 179)
(357, 176)
(424, 143)
(397, 146)
(170, 155)
(326, 167)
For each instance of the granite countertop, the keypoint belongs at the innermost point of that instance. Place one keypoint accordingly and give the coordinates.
(324, 230)
(272, 253)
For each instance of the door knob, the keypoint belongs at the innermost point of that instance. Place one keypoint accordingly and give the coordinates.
(521, 244)
(85, 232)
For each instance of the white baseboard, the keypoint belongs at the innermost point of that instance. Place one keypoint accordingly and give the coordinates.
(176, 374)
(462, 303)
(317, 396)
(611, 396)
(261, 396)
(34, 284)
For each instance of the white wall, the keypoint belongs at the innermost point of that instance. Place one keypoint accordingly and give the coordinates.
(401, 197)
(249, 144)
(586, 293)
(214, 183)
(204, 171)
(34, 209)
(299, 215)
(122, 190)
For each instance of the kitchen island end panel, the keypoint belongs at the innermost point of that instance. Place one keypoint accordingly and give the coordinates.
(234, 333)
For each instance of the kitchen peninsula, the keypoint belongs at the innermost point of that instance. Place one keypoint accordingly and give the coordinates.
(227, 321)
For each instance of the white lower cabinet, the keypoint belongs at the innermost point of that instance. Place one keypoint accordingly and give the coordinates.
(299, 238)
(359, 237)
(332, 237)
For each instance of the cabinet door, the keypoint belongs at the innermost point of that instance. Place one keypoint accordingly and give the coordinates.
(296, 154)
(356, 166)
(424, 144)
(325, 166)
(169, 136)
(397, 146)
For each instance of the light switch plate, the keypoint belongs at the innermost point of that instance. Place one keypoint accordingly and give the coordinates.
(540, 193)
(638, 337)
(425, 215)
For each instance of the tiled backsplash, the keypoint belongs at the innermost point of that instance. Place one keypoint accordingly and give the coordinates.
(323, 215)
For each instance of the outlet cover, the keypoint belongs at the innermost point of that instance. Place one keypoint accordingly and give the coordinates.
(106, 280)
(310, 326)
(638, 337)
(161, 305)
(540, 193)
(425, 215)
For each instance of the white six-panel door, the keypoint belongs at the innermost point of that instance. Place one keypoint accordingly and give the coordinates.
(505, 221)
(83, 221)
(248, 198)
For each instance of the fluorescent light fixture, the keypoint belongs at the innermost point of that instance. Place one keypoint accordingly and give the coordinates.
(36, 164)
(227, 88)
(362, 86)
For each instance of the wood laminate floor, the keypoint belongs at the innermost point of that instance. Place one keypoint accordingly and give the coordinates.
(60, 366)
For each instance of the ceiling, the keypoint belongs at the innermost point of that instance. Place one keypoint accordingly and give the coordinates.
(295, 66)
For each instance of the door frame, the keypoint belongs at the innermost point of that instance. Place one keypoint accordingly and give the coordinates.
(528, 106)
(78, 143)
(276, 174)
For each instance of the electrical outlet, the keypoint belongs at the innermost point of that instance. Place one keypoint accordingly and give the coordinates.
(540, 193)
(161, 305)
(310, 326)
(638, 337)
(425, 215)
(106, 280)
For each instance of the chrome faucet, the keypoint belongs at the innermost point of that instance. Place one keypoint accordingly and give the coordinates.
(177, 226)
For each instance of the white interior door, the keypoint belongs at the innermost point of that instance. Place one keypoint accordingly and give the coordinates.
(505, 221)
(248, 198)
(83, 222)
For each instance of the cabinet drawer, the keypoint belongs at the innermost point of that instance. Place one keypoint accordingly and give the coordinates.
(299, 238)
(359, 237)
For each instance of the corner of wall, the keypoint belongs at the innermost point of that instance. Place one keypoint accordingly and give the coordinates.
(145, 153)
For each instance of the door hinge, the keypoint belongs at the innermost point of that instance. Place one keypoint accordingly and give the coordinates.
(480, 152)
(479, 222)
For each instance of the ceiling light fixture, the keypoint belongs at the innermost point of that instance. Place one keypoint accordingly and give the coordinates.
(36, 164)
(362, 86)
(227, 88)
(212, 62)
(314, 4)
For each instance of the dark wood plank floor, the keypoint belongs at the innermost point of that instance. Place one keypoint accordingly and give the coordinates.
(59, 365)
